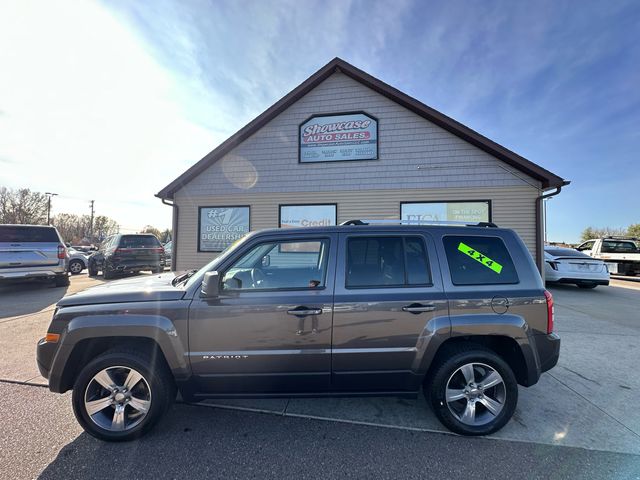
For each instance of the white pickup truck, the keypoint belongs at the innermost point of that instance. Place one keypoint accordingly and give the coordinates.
(621, 255)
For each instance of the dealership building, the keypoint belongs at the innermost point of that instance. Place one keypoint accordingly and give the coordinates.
(344, 145)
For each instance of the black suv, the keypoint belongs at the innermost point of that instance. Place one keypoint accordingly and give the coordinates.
(127, 254)
(459, 312)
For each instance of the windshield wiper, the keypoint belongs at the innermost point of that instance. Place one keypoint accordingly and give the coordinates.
(183, 277)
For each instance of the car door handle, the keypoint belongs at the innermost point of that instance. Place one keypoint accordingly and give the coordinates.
(418, 308)
(304, 311)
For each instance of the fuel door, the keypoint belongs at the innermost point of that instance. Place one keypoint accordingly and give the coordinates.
(499, 304)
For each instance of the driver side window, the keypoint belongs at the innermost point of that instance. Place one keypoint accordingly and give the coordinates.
(279, 265)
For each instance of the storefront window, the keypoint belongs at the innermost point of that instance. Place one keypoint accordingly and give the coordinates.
(458, 211)
(219, 227)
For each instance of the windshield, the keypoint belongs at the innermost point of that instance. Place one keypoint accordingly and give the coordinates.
(139, 241)
(211, 266)
(28, 234)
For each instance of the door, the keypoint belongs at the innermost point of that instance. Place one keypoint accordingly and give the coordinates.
(388, 297)
(269, 332)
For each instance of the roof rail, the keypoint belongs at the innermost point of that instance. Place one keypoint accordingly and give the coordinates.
(420, 222)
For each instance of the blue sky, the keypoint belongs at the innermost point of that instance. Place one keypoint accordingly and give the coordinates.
(165, 82)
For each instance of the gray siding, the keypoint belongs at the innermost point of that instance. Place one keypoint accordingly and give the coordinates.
(513, 207)
(413, 153)
(417, 161)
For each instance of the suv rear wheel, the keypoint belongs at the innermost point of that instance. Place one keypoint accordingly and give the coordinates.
(121, 395)
(473, 391)
(107, 273)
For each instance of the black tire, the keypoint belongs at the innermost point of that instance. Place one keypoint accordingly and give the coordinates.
(586, 285)
(157, 270)
(107, 273)
(62, 280)
(450, 361)
(75, 267)
(155, 374)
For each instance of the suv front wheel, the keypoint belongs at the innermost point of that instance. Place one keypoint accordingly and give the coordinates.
(121, 394)
(473, 391)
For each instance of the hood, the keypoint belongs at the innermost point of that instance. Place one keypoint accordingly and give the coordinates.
(139, 289)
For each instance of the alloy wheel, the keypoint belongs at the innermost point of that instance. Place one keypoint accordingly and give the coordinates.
(117, 398)
(75, 267)
(475, 394)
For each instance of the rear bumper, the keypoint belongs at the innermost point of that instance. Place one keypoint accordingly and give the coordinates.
(548, 347)
(580, 281)
(49, 272)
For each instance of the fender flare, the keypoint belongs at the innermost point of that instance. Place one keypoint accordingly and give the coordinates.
(91, 327)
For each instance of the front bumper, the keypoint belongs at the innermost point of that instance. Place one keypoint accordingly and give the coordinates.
(45, 352)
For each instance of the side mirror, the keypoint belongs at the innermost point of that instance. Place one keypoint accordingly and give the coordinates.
(266, 261)
(210, 285)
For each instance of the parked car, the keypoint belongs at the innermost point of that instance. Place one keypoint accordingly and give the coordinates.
(127, 254)
(86, 249)
(78, 261)
(621, 254)
(33, 252)
(459, 312)
(168, 249)
(566, 265)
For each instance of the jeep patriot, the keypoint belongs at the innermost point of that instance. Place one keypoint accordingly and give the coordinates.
(458, 312)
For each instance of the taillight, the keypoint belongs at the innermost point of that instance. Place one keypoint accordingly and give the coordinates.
(122, 250)
(550, 311)
(62, 252)
(554, 265)
(157, 250)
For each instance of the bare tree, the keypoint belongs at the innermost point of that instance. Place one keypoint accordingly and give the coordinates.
(103, 227)
(22, 206)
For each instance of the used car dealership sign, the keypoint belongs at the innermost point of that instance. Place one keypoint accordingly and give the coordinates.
(331, 138)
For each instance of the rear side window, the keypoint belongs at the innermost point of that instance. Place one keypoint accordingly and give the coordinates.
(613, 246)
(475, 260)
(386, 262)
(25, 234)
(139, 241)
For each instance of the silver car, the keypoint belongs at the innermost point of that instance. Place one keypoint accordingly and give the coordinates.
(33, 251)
(78, 261)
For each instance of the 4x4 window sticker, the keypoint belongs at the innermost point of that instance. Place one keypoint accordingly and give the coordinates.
(480, 257)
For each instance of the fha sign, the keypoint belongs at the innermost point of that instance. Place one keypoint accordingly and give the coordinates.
(333, 138)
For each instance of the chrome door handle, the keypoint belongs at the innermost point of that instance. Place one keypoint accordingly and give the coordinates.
(303, 311)
(418, 308)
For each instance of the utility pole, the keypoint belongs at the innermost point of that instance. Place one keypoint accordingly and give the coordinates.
(49, 195)
(91, 222)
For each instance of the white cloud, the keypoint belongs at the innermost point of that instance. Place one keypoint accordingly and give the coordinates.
(88, 113)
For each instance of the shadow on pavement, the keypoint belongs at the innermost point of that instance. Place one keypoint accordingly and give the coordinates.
(200, 442)
(28, 297)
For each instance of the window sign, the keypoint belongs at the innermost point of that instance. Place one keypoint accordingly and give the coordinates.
(219, 227)
(292, 216)
(333, 138)
(446, 211)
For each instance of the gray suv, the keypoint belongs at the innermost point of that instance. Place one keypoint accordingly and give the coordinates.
(459, 312)
(33, 252)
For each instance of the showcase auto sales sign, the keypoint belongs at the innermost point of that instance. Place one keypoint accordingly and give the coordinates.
(331, 138)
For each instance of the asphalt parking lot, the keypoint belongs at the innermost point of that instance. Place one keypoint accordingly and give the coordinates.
(580, 420)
